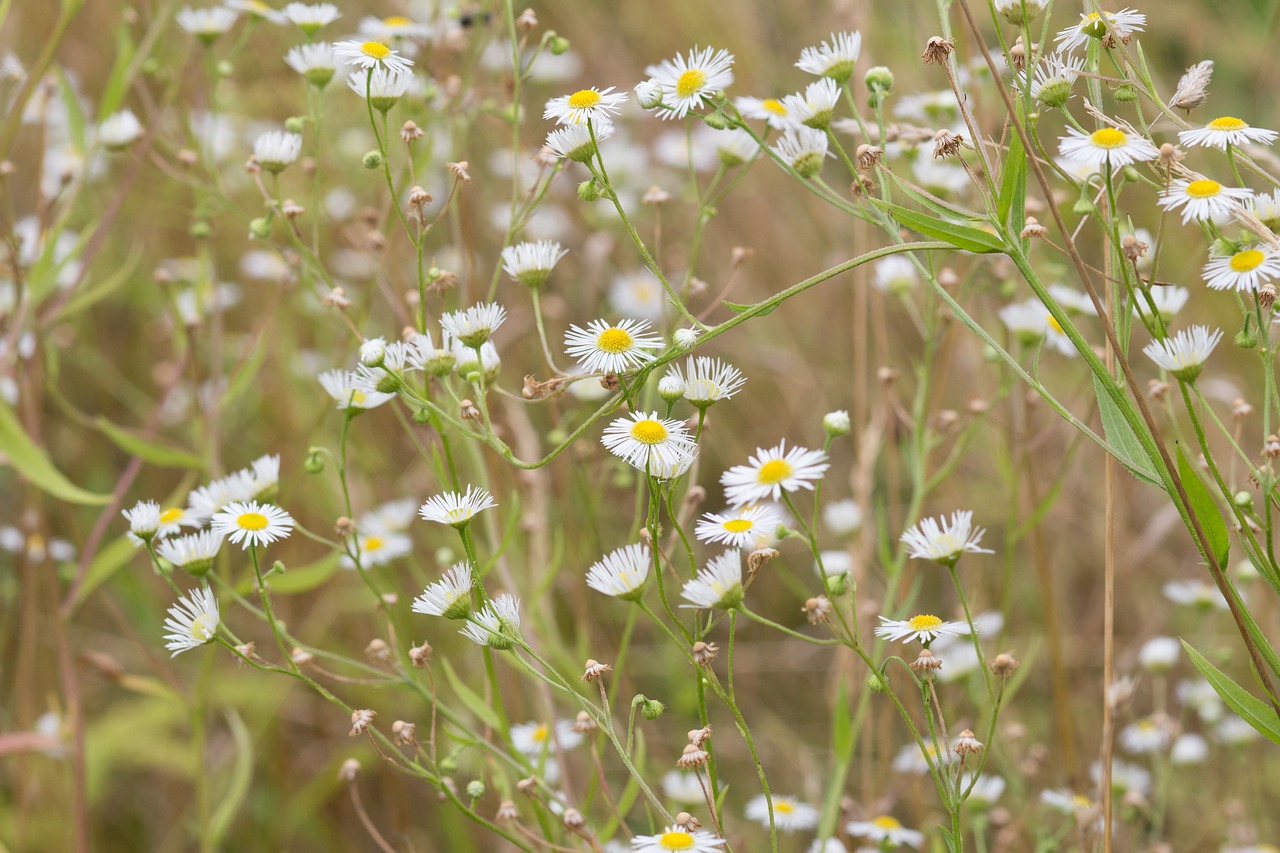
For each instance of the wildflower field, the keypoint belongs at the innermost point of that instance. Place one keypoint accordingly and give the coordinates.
(805, 427)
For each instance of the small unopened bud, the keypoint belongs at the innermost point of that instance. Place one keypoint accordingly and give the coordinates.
(836, 423)
(360, 720)
(878, 683)
(372, 160)
(260, 228)
(595, 670)
(589, 190)
(937, 49)
(349, 770)
(1004, 665)
(405, 733)
(558, 46)
(475, 789)
(1033, 230)
(651, 709)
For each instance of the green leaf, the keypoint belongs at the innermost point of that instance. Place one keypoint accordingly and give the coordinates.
(86, 296)
(31, 462)
(114, 91)
(306, 578)
(961, 236)
(247, 372)
(739, 307)
(149, 449)
(106, 563)
(1013, 186)
(470, 698)
(238, 789)
(1123, 441)
(1251, 709)
(1206, 509)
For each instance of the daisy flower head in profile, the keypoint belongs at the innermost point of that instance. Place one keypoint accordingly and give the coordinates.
(315, 61)
(1031, 324)
(193, 554)
(257, 10)
(206, 24)
(372, 54)
(688, 82)
(192, 622)
(771, 110)
(456, 509)
(251, 524)
(497, 624)
(377, 547)
(351, 394)
(649, 442)
(585, 105)
(611, 347)
(1202, 199)
(835, 58)
(816, 106)
(1107, 146)
(578, 142)
(789, 813)
(1185, 353)
(144, 520)
(771, 472)
(621, 573)
(803, 149)
(310, 18)
(1122, 25)
(276, 150)
(393, 27)
(944, 541)
(673, 839)
(1019, 12)
(707, 380)
(1224, 131)
(718, 584)
(742, 527)
(925, 628)
(449, 597)
(885, 830)
(531, 263)
(1054, 79)
(1245, 270)
(382, 87)
(472, 326)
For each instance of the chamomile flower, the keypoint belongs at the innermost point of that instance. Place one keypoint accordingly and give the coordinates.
(803, 149)
(1266, 206)
(456, 509)
(1224, 131)
(673, 838)
(770, 472)
(449, 597)
(205, 500)
(735, 147)
(144, 520)
(533, 738)
(789, 813)
(192, 622)
(986, 790)
(578, 142)
(257, 9)
(1188, 749)
(771, 110)
(472, 326)
(194, 554)
(1066, 802)
(349, 393)
(708, 380)
(531, 263)
(311, 17)
(606, 348)
(718, 584)
(1202, 199)
(649, 442)
(944, 541)
(926, 628)
(742, 527)
(1123, 24)
(276, 150)
(1168, 302)
(1054, 79)
(382, 87)
(1107, 145)
(585, 105)
(316, 61)
(816, 106)
(688, 82)
(251, 523)
(206, 24)
(1031, 323)
(621, 573)
(469, 365)
(1245, 271)
(885, 830)
(377, 548)
(1185, 353)
(843, 517)
(1159, 654)
(372, 54)
(834, 59)
(1150, 734)
(497, 624)
(119, 130)
(1197, 593)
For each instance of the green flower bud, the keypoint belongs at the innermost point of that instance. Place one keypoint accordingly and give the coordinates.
(651, 709)
(295, 124)
(879, 80)
(448, 764)
(200, 230)
(559, 45)
(1242, 499)
(877, 683)
(589, 190)
(260, 228)
(314, 463)
(1083, 206)
(1247, 338)
(716, 121)
(389, 384)
(372, 160)
(475, 789)
(421, 416)
(1125, 94)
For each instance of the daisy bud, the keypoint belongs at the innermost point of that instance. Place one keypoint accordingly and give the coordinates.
(705, 653)
(372, 352)
(868, 157)
(260, 228)
(1125, 94)
(967, 744)
(583, 723)
(1247, 338)
(648, 94)
(685, 338)
(475, 789)
(651, 709)
(360, 720)
(1033, 230)
(405, 733)
(595, 670)
(671, 388)
(1242, 499)
(372, 160)
(936, 50)
(349, 769)
(716, 121)
(879, 83)
(877, 683)
(1004, 665)
(836, 423)
(558, 46)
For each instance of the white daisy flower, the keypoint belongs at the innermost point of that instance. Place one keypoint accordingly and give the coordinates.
(1185, 353)
(1159, 654)
(382, 88)
(1202, 199)
(257, 9)
(803, 149)
(1019, 12)
(1030, 323)
(673, 838)
(531, 263)
(349, 393)
(1106, 145)
(637, 294)
(829, 845)
(942, 541)
(689, 82)
(986, 790)
(456, 509)
(649, 442)
(144, 520)
(926, 628)
(205, 500)
(1266, 206)
(192, 622)
(885, 830)
(771, 472)
(734, 147)
(423, 354)
(585, 105)
(914, 759)
(473, 326)
(1168, 301)
(497, 624)
(1224, 131)
(311, 17)
(895, 275)
(276, 150)
(119, 130)
(372, 54)
(843, 517)
(1234, 731)
(1199, 696)
(708, 380)
(393, 27)
(1245, 271)
(1072, 300)
(449, 597)
(377, 548)
(194, 554)
(1149, 734)
(468, 365)
(206, 24)
(738, 528)
(683, 787)
(1189, 749)
(622, 573)
(816, 106)
(789, 814)
(771, 110)
(532, 739)
(391, 517)
(1066, 802)
(834, 59)
(1123, 24)
(1197, 593)
(717, 585)
(834, 564)
(316, 61)
(605, 348)
(576, 141)
(1125, 777)
(252, 523)
(1055, 77)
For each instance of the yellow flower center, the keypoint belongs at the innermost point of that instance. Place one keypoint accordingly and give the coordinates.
(649, 431)
(690, 82)
(375, 50)
(614, 341)
(783, 807)
(396, 21)
(1247, 261)
(1203, 189)
(1108, 138)
(676, 841)
(886, 822)
(1055, 325)
(1082, 802)
(924, 622)
(584, 99)
(373, 543)
(200, 630)
(774, 471)
(739, 525)
(251, 521)
(1226, 123)
(171, 515)
(773, 105)
(541, 733)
